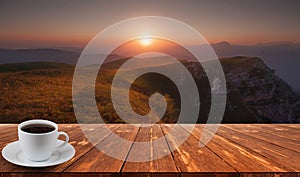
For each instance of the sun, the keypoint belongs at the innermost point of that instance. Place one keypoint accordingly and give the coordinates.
(146, 41)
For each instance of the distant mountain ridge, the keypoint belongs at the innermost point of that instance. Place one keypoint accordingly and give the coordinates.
(21, 67)
(284, 57)
(64, 55)
(38, 55)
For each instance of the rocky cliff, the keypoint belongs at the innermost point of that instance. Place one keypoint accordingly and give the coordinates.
(257, 94)
(264, 94)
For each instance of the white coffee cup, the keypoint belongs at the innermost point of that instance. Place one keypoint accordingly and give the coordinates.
(40, 146)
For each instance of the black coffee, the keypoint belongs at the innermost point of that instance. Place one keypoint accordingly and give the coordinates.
(37, 128)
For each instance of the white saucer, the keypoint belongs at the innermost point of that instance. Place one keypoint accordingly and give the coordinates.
(13, 153)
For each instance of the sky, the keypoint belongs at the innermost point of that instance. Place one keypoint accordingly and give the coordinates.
(72, 23)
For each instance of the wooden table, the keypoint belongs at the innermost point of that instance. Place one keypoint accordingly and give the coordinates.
(236, 150)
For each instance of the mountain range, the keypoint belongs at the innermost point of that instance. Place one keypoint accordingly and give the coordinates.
(283, 57)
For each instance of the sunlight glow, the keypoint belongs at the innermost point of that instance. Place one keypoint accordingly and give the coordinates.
(146, 41)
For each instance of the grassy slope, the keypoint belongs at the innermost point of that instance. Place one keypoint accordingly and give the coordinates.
(36, 90)
(44, 90)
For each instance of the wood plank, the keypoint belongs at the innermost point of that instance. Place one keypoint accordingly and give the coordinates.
(289, 126)
(97, 132)
(149, 174)
(166, 163)
(8, 135)
(275, 153)
(4, 126)
(65, 174)
(268, 174)
(89, 174)
(191, 158)
(150, 150)
(97, 161)
(284, 133)
(257, 133)
(82, 144)
(207, 174)
(253, 150)
(240, 158)
(31, 175)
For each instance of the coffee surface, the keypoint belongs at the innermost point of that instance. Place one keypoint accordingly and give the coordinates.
(38, 128)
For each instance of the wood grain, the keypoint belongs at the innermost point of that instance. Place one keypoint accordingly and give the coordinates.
(150, 150)
(240, 158)
(190, 157)
(258, 131)
(235, 150)
(271, 151)
(97, 161)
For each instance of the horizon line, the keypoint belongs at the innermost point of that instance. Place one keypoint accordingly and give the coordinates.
(212, 43)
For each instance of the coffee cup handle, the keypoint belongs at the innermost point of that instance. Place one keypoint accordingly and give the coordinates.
(66, 141)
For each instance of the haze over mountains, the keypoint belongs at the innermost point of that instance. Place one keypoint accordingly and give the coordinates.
(283, 57)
